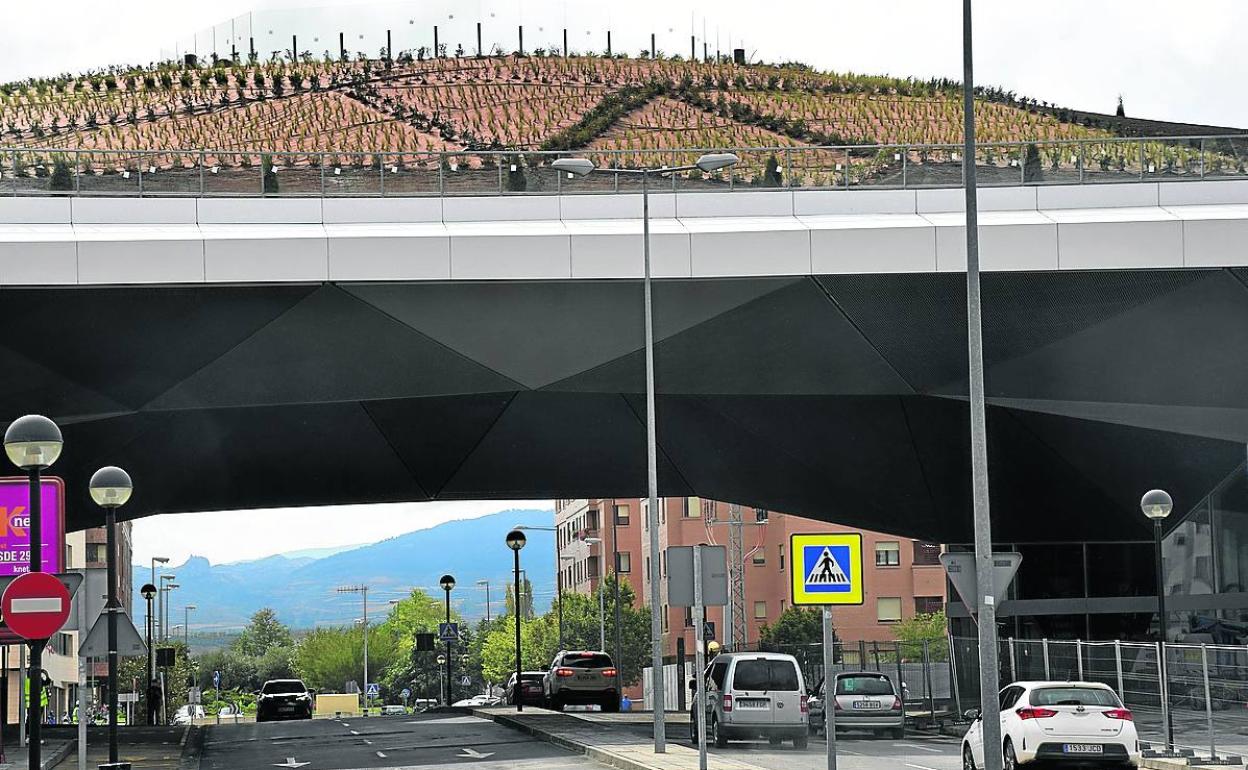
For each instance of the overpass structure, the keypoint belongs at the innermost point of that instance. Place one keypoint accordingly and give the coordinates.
(258, 352)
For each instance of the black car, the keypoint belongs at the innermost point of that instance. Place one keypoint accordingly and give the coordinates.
(530, 688)
(283, 699)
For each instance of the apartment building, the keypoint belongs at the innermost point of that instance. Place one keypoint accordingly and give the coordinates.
(903, 576)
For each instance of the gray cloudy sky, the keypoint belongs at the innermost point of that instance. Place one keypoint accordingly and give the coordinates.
(1170, 60)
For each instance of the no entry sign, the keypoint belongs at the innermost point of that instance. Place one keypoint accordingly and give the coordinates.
(15, 524)
(35, 605)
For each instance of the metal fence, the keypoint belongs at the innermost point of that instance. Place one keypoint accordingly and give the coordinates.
(41, 171)
(1203, 692)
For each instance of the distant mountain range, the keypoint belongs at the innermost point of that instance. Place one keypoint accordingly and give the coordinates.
(300, 586)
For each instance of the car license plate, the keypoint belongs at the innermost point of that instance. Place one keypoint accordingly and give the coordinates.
(286, 708)
(865, 705)
(752, 703)
(584, 677)
(1083, 748)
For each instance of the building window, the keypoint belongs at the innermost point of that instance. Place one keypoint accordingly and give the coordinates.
(591, 519)
(649, 574)
(665, 614)
(888, 609)
(888, 554)
(926, 554)
(928, 605)
(760, 610)
(780, 548)
(760, 557)
(663, 564)
(782, 606)
(621, 515)
(761, 515)
(97, 552)
(688, 617)
(591, 567)
(708, 510)
(626, 562)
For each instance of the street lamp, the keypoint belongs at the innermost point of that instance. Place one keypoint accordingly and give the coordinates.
(166, 580)
(148, 592)
(156, 560)
(1157, 505)
(33, 443)
(186, 627)
(111, 488)
(558, 572)
(486, 583)
(706, 163)
(515, 541)
(602, 607)
(448, 584)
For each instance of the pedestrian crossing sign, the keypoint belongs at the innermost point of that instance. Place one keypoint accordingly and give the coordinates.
(826, 569)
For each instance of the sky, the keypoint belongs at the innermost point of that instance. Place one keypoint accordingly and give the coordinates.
(1169, 60)
(224, 537)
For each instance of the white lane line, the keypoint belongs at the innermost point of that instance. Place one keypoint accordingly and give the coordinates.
(920, 748)
(381, 754)
(367, 742)
(920, 767)
(355, 732)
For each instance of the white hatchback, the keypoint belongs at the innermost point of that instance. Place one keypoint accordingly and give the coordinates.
(1076, 723)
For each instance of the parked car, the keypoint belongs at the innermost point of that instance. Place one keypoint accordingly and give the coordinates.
(581, 677)
(530, 688)
(186, 715)
(392, 710)
(283, 699)
(865, 700)
(1076, 723)
(754, 695)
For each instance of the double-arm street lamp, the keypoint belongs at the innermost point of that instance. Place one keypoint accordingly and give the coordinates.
(706, 164)
(515, 541)
(110, 489)
(1157, 505)
(558, 572)
(33, 443)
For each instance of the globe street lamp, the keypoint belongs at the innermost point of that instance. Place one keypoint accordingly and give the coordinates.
(515, 541)
(706, 163)
(448, 584)
(1157, 505)
(110, 489)
(33, 443)
(148, 592)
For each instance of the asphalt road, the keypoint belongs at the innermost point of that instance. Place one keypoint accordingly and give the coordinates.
(435, 740)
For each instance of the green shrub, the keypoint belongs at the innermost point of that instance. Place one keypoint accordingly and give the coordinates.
(270, 175)
(62, 177)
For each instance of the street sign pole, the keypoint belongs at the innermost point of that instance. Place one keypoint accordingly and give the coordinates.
(829, 687)
(699, 657)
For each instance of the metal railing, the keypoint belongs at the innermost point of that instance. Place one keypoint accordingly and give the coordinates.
(44, 171)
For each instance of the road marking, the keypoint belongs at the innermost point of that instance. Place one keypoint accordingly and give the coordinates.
(355, 732)
(920, 748)
(474, 754)
(381, 754)
(920, 767)
(290, 762)
(367, 742)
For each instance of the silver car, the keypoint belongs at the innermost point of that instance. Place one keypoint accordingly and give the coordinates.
(865, 700)
(754, 695)
(583, 677)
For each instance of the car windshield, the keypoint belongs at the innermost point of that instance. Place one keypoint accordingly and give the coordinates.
(765, 675)
(1073, 696)
(587, 660)
(531, 677)
(864, 685)
(283, 688)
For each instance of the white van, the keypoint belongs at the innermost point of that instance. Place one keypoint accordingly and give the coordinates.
(754, 695)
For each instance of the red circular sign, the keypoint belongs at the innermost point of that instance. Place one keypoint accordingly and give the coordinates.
(35, 605)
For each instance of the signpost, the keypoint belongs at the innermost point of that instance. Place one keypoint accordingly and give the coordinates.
(15, 524)
(827, 571)
(960, 567)
(448, 632)
(697, 576)
(35, 605)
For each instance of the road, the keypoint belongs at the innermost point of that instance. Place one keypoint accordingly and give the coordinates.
(430, 740)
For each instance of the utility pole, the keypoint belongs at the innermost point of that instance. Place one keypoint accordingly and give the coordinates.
(736, 630)
(363, 590)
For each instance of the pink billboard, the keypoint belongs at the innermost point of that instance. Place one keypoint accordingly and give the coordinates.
(15, 525)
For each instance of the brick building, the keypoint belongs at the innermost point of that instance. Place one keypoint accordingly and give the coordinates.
(903, 577)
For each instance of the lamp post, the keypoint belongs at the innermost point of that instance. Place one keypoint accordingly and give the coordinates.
(615, 596)
(1157, 505)
(558, 574)
(515, 541)
(167, 587)
(448, 584)
(582, 167)
(559, 595)
(602, 607)
(162, 605)
(486, 583)
(186, 627)
(33, 443)
(363, 590)
(110, 489)
(156, 560)
(148, 592)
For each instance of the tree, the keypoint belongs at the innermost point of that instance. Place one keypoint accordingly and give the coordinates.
(178, 679)
(795, 626)
(62, 178)
(269, 174)
(930, 628)
(1122, 111)
(263, 633)
(526, 599)
(238, 671)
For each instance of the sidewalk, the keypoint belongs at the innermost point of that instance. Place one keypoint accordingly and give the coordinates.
(53, 752)
(601, 742)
